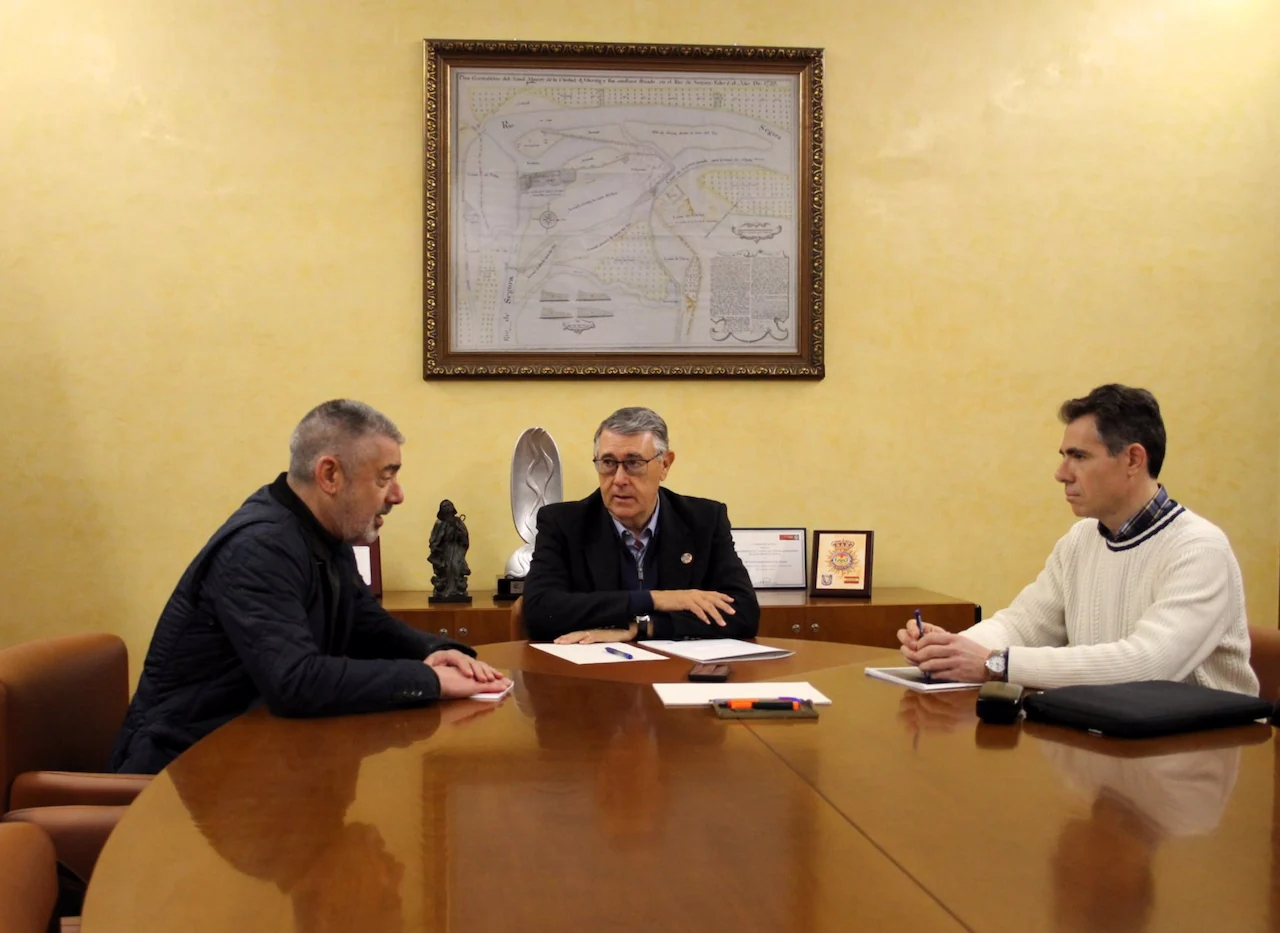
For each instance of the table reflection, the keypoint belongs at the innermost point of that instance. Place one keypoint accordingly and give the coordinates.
(1103, 862)
(303, 806)
(945, 711)
(621, 809)
(626, 730)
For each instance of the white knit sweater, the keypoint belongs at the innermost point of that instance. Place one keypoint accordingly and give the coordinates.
(1167, 605)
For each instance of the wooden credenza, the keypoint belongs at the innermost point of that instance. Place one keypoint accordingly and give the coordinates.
(874, 621)
(482, 622)
(783, 614)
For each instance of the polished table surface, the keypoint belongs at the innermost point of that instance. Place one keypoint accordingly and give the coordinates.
(580, 803)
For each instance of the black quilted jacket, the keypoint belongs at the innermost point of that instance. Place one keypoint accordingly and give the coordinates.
(271, 611)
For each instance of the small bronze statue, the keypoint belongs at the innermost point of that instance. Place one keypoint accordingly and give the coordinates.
(449, 543)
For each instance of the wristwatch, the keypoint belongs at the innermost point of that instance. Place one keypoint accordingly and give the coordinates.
(998, 666)
(644, 627)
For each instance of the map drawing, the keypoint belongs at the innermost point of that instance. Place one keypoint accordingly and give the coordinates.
(605, 210)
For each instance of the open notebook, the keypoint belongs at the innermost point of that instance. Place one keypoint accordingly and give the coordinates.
(913, 679)
(717, 649)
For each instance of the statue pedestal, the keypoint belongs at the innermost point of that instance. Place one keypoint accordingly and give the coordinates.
(509, 588)
(433, 600)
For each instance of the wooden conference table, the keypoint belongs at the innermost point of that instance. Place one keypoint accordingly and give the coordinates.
(579, 803)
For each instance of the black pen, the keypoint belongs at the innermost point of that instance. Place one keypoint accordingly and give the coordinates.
(920, 629)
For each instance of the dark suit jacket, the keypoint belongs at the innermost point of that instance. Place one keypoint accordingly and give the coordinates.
(574, 580)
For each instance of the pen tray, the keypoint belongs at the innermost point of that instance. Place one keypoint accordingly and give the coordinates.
(806, 711)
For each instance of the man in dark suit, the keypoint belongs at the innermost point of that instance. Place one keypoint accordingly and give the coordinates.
(633, 560)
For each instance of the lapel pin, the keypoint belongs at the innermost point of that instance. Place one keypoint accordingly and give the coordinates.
(686, 558)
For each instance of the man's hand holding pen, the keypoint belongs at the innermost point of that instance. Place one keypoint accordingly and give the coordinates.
(911, 633)
(943, 655)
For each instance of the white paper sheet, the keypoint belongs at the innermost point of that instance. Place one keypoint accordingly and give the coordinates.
(364, 563)
(913, 679)
(702, 694)
(493, 696)
(596, 654)
(718, 649)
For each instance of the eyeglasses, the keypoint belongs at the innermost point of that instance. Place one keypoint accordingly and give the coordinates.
(607, 466)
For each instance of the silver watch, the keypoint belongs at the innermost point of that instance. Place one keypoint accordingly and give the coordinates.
(998, 666)
(644, 627)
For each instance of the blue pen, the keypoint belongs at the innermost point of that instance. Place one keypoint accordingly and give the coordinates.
(920, 629)
(621, 654)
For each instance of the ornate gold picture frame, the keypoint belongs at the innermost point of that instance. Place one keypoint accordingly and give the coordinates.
(622, 210)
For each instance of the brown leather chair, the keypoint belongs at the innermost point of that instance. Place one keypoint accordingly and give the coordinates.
(28, 879)
(78, 833)
(62, 701)
(1264, 656)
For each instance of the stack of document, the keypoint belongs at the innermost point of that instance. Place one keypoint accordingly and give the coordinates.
(702, 694)
(610, 653)
(712, 650)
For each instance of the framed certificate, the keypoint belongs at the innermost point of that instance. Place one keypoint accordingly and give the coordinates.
(842, 563)
(774, 557)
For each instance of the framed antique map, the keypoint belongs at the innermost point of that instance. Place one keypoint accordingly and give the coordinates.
(622, 210)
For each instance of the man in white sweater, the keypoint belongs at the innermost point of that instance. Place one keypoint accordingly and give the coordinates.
(1141, 589)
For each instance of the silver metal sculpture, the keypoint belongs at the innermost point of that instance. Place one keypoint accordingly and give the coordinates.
(535, 481)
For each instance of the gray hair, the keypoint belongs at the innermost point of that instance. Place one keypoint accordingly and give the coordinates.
(632, 421)
(333, 428)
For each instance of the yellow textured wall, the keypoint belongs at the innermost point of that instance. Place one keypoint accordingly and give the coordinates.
(210, 220)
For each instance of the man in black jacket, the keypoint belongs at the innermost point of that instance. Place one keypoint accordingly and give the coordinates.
(633, 560)
(273, 609)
